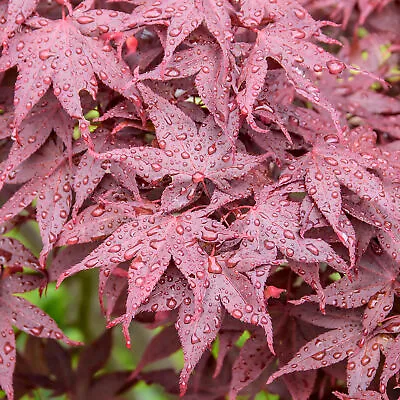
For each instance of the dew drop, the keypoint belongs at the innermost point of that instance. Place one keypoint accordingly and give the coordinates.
(152, 13)
(156, 167)
(97, 212)
(180, 230)
(319, 355)
(197, 177)
(172, 72)
(237, 314)
(114, 249)
(8, 348)
(288, 234)
(365, 360)
(85, 20)
(37, 330)
(312, 249)
(20, 45)
(45, 54)
(335, 67)
(214, 267)
(171, 303)
(174, 32)
(269, 245)
(299, 13)
(194, 339)
(351, 365)
(19, 19)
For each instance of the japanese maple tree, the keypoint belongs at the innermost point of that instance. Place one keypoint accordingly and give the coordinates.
(230, 168)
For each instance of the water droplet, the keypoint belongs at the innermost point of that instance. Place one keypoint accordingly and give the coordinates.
(351, 365)
(171, 303)
(214, 267)
(335, 67)
(91, 263)
(197, 177)
(8, 348)
(152, 13)
(331, 161)
(317, 68)
(156, 167)
(237, 314)
(319, 355)
(85, 20)
(174, 32)
(331, 138)
(212, 149)
(103, 76)
(288, 234)
(19, 19)
(140, 281)
(269, 245)
(20, 45)
(299, 13)
(114, 249)
(172, 72)
(365, 360)
(312, 249)
(298, 34)
(45, 54)
(98, 211)
(73, 240)
(285, 178)
(180, 229)
(209, 236)
(194, 339)
(37, 330)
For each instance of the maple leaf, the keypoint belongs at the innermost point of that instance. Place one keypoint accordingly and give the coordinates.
(34, 131)
(53, 207)
(347, 341)
(14, 255)
(301, 60)
(270, 105)
(90, 171)
(328, 348)
(54, 194)
(17, 12)
(201, 62)
(387, 229)
(369, 394)
(161, 346)
(188, 155)
(324, 173)
(60, 53)
(253, 358)
(107, 217)
(272, 224)
(365, 104)
(149, 243)
(257, 12)
(343, 9)
(232, 165)
(374, 286)
(232, 290)
(391, 365)
(228, 335)
(183, 17)
(17, 311)
(85, 380)
(168, 294)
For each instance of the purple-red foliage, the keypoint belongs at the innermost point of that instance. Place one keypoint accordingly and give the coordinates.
(228, 166)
